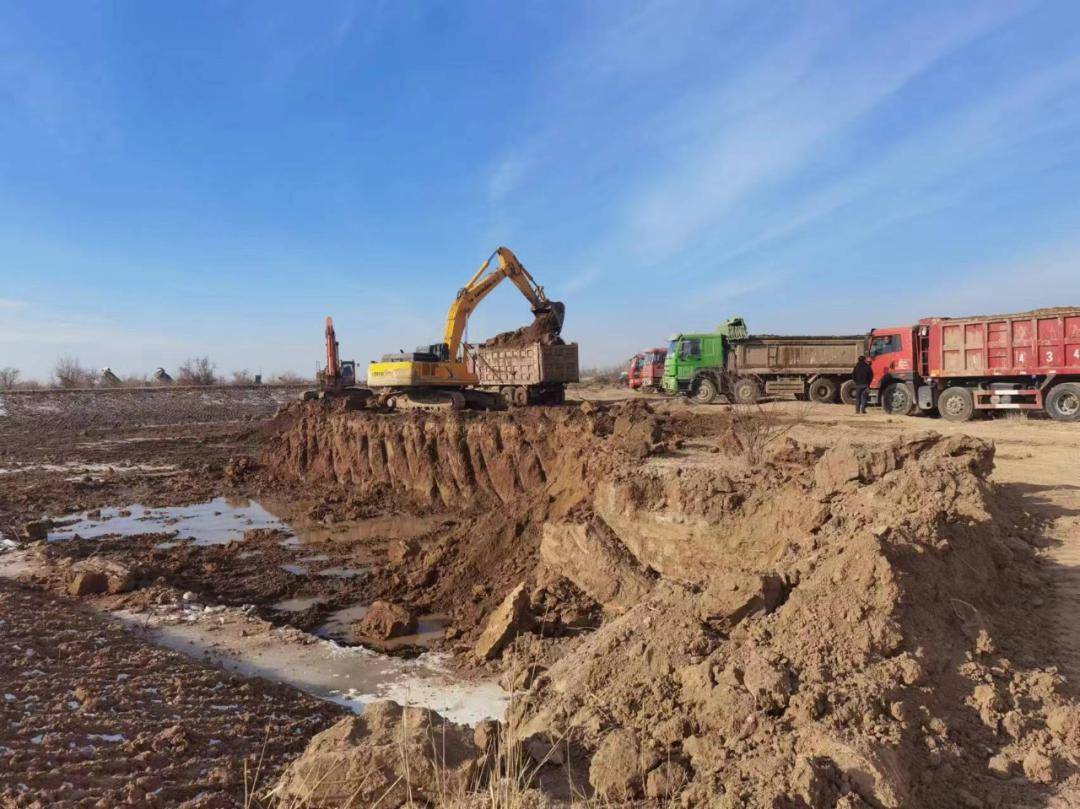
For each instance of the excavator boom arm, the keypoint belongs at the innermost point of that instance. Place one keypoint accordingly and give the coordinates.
(482, 282)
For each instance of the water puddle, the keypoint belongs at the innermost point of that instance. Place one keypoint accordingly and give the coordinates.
(342, 572)
(350, 676)
(338, 627)
(216, 522)
(298, 604)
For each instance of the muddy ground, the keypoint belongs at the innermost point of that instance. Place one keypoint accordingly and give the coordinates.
(297, 531)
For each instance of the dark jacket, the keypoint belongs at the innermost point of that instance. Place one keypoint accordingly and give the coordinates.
(863, 373)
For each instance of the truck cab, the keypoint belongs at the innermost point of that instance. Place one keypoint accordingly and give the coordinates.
(894, 357)
(691, 357)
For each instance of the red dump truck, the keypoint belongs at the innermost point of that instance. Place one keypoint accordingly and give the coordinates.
(967, 366)
(645, 371)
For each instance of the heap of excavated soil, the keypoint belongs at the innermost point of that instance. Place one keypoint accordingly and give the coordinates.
(544, 329)
(856, 627)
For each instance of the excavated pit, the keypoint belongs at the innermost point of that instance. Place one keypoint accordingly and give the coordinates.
(851, 626)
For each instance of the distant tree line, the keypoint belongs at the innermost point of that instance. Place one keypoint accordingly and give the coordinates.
(69, 373)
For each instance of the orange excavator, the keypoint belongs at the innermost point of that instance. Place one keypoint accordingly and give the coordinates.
(338, 378)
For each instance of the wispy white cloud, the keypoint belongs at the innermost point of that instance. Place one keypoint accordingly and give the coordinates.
(508, 174)
(9, 304)
(583, 279)
(762, 146)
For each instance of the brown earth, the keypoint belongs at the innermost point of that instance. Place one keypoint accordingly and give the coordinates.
(92, 716)
(872, 616)
(544, 329)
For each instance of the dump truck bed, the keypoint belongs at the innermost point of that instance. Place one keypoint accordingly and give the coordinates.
(534, 364)
(1024, 344)
(774, 354)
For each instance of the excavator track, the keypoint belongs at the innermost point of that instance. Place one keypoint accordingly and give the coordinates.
(444, 399)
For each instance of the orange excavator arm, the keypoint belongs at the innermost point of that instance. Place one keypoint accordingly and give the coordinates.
(333, 360)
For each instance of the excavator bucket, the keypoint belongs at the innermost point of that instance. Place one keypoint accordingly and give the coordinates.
(557, 309)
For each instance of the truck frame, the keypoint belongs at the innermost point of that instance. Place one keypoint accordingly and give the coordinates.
(963, 367)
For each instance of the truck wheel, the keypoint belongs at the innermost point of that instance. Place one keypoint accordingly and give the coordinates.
(521, 396)
(847, 392)
(956, 404)
(1063, 402)
(746, 391)
(897, 400)
(705, 391)
(823, 390)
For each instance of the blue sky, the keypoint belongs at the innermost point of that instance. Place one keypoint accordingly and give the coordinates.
(215, 177)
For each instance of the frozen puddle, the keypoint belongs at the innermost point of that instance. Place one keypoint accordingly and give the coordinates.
(349, 676)
(298, 604)
(338, 627)
(78, 470)
(216, 522)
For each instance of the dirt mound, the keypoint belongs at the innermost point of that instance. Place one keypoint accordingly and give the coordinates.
(544, 329)
(850, 627)
(891, 666)
(389, 756)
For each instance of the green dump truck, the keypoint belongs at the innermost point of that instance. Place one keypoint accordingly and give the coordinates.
(743, 367)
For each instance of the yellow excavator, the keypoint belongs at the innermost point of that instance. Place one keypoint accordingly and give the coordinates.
(443, 374)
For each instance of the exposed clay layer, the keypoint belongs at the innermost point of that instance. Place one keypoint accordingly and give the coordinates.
(452, 459)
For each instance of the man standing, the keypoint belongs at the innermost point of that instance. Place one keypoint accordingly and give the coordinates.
(862, 375)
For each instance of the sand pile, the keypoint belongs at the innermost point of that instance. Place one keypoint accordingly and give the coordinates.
(856, 627)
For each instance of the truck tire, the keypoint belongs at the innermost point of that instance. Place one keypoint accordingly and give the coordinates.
(823, 390)
(1063, 402)
(898, 400)
(704, 391)
(746, 391)
(521, 396)
(956, 404)
(847, 392)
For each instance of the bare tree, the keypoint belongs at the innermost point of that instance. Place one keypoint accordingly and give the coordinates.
(69, 373)
(243, 377)
(9, 377)
(197, 371)
(756, 428)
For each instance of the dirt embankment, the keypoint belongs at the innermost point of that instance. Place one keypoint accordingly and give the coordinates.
(856, 627)
(500, 475)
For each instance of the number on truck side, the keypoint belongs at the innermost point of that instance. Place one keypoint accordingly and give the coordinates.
(1049, 357)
